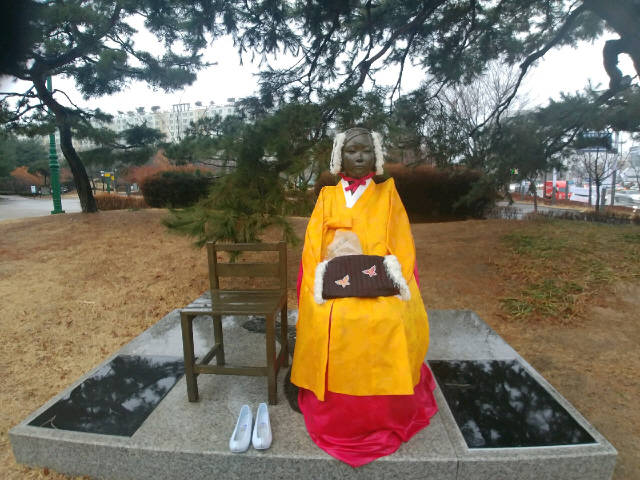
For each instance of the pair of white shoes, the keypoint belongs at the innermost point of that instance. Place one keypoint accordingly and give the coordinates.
(261, 437)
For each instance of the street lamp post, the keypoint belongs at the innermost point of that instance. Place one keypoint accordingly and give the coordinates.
(54, 166)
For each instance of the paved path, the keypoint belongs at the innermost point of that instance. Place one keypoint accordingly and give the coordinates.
(23, 207)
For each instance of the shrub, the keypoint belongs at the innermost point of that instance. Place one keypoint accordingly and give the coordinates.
(7, 186)
(442, 194)
(176, 189)
(116, 202)
(138, 174)
(21, 180)
(432, 194)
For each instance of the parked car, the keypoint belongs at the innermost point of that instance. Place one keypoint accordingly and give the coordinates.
(581, 194)
(630, 198)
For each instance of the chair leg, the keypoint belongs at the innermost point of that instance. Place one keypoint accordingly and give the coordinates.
(271, 359)
(217, 333)
(186, 321)
(284, 336)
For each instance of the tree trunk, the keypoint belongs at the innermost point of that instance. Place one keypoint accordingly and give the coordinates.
(87, 201)
(534, 190)
(623, 16)
(597, 195)
(93, 182)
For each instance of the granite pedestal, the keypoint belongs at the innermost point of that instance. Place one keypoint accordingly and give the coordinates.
(183, 440)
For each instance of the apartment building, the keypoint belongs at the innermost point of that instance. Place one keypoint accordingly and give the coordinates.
(173, 123)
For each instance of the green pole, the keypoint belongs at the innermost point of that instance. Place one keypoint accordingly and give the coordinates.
(54, 166)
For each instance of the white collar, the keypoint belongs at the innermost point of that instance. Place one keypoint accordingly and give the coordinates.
(352, 198)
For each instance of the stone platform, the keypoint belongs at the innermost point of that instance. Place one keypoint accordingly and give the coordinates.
(183, 440)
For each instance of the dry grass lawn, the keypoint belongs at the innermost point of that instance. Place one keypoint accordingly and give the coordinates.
(75, 288)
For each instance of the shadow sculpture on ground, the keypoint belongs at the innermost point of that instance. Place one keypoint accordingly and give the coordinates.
(258, 325)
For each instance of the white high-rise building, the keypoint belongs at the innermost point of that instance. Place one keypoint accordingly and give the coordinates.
(173, 123)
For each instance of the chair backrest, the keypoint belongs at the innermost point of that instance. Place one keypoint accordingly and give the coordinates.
(242, 269)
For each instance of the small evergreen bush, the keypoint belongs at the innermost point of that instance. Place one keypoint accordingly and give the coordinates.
(117, 202)
(239, 208)
(177, 189)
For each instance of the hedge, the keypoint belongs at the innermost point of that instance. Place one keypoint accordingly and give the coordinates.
(114, 201)
(432, 194)
(177, 189)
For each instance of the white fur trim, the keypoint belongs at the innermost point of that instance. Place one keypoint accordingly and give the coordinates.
(336, 154)
(317, 286)
(379, 155)
(394, 270)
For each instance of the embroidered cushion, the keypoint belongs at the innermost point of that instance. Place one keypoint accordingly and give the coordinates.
(357, 276)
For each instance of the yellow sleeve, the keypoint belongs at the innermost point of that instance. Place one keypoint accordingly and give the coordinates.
(399, 237)
(312, 250)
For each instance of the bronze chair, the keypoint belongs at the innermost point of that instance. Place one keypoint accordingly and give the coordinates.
(266, 302)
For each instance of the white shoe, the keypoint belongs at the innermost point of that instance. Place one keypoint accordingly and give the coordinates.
(242, 433)
(262, 436)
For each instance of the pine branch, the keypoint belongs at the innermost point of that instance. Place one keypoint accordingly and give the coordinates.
(402, 62)
(322, 46)
(524, 66)
(17, 115)
(365, 65)
(81, 49)
(78, 110)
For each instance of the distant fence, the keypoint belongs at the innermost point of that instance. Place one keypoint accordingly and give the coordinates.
(504, 213)
(608, 217)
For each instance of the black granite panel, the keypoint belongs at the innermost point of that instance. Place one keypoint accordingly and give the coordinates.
(116, 399)
(497, 404)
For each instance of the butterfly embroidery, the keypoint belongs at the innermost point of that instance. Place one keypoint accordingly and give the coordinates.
(344, 282)
(370, 271)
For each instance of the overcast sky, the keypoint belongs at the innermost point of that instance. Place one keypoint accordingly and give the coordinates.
(560, 70)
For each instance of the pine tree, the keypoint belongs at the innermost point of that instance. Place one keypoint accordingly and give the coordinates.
(91, 42)
(343, 44)
(260, 161)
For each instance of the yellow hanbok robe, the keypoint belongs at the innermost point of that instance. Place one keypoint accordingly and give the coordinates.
(360, 346)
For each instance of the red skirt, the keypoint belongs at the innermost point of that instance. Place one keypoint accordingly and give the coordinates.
(357, 430)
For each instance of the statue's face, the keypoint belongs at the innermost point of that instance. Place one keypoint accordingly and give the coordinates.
(358, 156)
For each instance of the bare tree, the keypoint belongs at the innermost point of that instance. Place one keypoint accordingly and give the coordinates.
(454, 124)
(474, 104)
(597, 165)
(634, 162)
